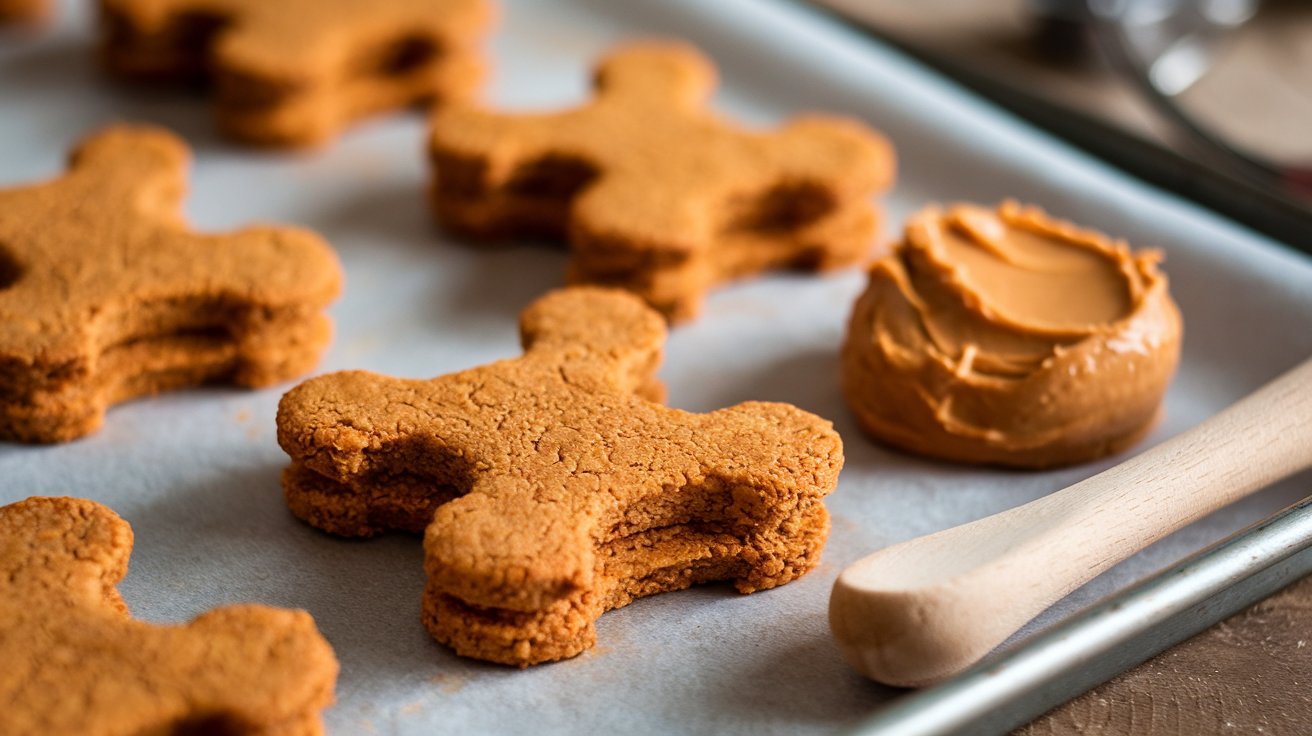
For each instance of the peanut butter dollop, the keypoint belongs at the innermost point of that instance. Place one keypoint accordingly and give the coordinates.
(1003, 336)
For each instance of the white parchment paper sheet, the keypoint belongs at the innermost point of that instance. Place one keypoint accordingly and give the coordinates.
(196, 473)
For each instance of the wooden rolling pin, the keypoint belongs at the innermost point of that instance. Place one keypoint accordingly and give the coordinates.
(923, 610)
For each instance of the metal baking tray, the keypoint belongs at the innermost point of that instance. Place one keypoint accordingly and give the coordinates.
(196, 472)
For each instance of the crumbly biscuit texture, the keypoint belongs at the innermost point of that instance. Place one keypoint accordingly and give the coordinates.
(295, 72)
(75, 662)
(656, 194)
(550, 490)
(106, 295)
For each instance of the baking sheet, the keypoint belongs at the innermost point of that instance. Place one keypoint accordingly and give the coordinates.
(196, 473)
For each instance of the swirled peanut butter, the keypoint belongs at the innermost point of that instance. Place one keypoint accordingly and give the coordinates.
(1004, 336)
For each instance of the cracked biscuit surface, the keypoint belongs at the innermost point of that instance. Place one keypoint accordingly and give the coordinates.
(656, 194)
(105, 294)
(75, 662)
(296, 72)
(550, 489)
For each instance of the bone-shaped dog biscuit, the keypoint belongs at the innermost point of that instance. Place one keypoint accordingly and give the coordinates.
(105, 294)
(76, 663)
(550, 489)
(655, 193)
(295, 72)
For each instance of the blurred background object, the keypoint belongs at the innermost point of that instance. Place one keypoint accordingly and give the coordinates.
(1210, 98)
(1234, 83)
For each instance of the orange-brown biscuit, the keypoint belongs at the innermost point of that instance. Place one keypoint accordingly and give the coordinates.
(655, 193)
(106, 295)
(550, 490)
(295, 72)
(75, 662)
(23, 11)
(1004, 336)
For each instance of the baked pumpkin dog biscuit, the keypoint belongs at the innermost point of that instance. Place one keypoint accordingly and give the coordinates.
(295, 72)
(655, 193)
(77, 663)
(106, 295)
(549, 490)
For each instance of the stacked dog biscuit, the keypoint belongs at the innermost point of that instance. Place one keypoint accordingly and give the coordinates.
(108, 297)
(584, 494)
(296, 72)
(550, 487)
(654, 193)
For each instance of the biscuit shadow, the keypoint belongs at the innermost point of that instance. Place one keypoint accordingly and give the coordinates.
(502, 279)
(779, 690)
(807, 379)
(392, 214)
(472, 279)
(228, 538)
(10, 449)
(52, 75)
(33, 64)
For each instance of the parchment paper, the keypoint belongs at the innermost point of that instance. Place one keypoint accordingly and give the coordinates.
(196, 473)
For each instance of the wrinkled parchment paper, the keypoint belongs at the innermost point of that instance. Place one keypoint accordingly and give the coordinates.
(196, 473)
